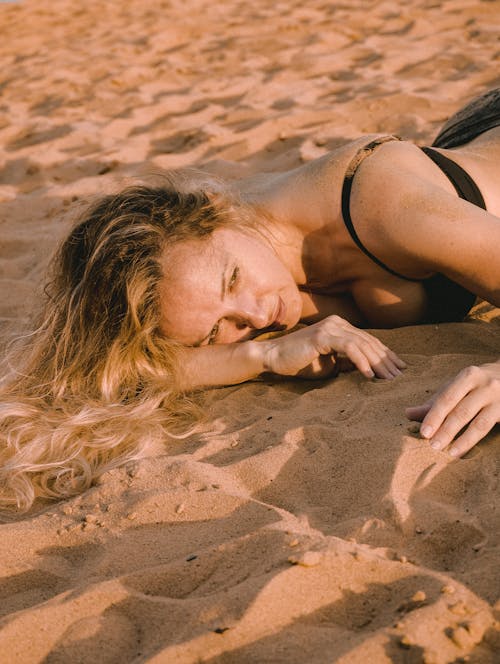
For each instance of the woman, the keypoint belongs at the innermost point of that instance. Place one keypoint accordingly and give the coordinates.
(162, 290)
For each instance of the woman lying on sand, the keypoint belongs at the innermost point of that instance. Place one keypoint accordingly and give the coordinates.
(162, 290)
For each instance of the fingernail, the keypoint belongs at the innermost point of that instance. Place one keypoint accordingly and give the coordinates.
(454, 452)
(436, 444)
(426, 431)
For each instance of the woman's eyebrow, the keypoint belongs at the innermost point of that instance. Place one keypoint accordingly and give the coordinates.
(223, 284)
(222, 293)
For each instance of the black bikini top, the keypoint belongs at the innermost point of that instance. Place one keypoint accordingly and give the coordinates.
(448, 300)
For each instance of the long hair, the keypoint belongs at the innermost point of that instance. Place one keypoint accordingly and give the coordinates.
(97, 385)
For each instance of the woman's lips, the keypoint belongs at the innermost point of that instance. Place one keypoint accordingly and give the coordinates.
(280, 316)
(277, 321)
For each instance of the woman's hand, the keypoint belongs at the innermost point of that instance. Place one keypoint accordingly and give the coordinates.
(472, 399)
(312, 351)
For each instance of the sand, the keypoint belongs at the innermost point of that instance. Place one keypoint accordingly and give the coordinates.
(314, 525)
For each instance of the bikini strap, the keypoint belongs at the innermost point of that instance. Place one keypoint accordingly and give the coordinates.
(358, 158)
(464, 185)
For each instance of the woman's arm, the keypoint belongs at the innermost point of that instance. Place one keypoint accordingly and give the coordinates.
(309, 352)
(420, 223)
(408, 215)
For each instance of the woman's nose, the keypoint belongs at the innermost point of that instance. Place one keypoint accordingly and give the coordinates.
(248, 311)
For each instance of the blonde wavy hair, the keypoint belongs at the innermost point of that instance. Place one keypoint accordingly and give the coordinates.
(97, 384)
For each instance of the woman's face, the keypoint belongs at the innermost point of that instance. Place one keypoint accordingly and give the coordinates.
(226, 288)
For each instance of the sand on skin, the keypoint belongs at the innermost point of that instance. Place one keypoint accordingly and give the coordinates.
(313, 525)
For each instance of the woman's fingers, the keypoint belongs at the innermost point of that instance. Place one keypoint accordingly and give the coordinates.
(362, 348)
(382, 361)
(448, 399)
(465, 411)
(391, 360)
(418, 413)
(359, 359)
(298, 353)
(469, 403)
(389, 367)
(401, 364)
(481, 425)
(370, 358)
(325, 366)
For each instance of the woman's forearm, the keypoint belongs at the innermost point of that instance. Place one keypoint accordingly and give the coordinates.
(312, 348)
(221, 364)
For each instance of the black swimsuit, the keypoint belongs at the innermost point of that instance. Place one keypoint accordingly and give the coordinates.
(447, 300)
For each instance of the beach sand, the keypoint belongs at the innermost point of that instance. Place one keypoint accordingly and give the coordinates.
(313, 525)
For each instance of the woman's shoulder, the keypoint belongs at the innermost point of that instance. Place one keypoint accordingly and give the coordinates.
(331, 163)
(310, 196)
(304, 190)
(339, 160)
(388, 152)
(374, 156)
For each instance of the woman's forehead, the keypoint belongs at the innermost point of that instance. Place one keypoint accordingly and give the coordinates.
(187, 305)
(190, 257)
(190, 289)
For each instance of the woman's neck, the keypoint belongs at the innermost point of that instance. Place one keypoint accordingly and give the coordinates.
(287, 241)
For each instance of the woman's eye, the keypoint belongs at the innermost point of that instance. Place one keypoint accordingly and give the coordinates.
(234, 277)
(213, 333)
